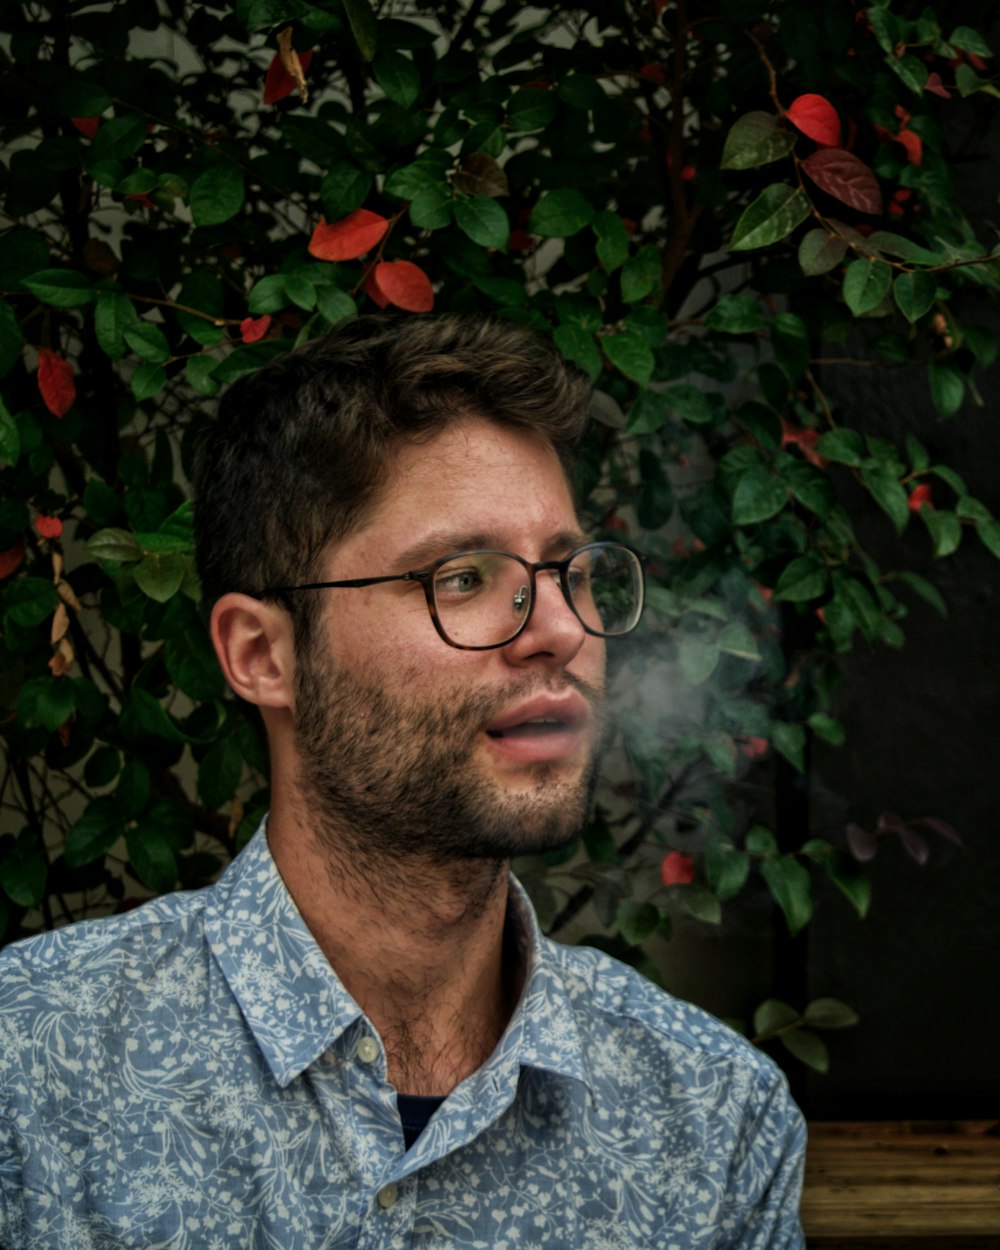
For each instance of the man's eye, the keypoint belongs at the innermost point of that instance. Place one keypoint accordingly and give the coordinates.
(458, 582)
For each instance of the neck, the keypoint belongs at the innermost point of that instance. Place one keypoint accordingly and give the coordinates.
(418, 945)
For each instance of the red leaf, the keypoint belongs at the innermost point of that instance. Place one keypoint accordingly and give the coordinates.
(405, 284)
(252, 329)
(861, 843)
(279, 82)
(847, 179)
(921, 497)
(86, 125)
(913, 143)
(520, 240)
(754, 748)
(805, 440)
(653, 73)
(55, 382)
(12, 557)
(348, 238)
(816, 117)
(677, 868)
(49, 526)
(371, 286)
(935, 84)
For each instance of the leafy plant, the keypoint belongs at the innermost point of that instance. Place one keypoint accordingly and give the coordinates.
(709, 208)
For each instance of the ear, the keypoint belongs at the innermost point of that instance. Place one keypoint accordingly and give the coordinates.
(254, 643)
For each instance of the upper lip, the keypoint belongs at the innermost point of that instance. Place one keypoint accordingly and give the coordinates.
(569, 709)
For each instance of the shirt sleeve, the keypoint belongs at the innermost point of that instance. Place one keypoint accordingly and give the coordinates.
(766, 1180)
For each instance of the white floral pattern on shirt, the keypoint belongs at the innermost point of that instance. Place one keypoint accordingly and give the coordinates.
(185, 1076)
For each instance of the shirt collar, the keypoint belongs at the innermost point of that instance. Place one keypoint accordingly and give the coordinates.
(296, 1006)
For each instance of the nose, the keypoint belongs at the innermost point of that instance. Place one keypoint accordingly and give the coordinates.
(553, 634)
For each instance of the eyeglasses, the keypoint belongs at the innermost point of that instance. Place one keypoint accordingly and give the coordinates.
(479, 600)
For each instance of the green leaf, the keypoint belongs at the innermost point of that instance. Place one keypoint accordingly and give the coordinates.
(726, 869)
(631, 354)
(152, 858)
(773, 214)
(113, 545)
(842, 447)
(772, 1016)
(808, 1048)
(483, 220)
(10, 437)
(945, 530)
(790, 340)
(192, 665)
(701, 903)
(969, 40)
(148, 380)
(699, 658)
(736, 314)
(160, 576)
(737, 640)
(810, 486)
(914, 292)
(577, 345)
(825, 727)
(23, 872)
(755, 139)
(560, 214)
(145, 716)
(345, 188)
(802, 579)
(581, 91)
(114, 314)
(852, 879)
(820, 251)
(928, 592)
(364, 27)
(641, 274)
(911, 70)
(335, 305)
(62, 288)
(791, 887)
(866, 284)
(45, 702)
(758, 496)
(398, 77)
(94, 834)
(531, 108)
(217, 194)
(219, 773)
(637, 921)
(198, 371)
(133, 789)
(10, 338)
(790, 741)
(830, 1013)
(612, 240)
(888, 493)
(989, 533)
(947, 388)
(147, 341)
(431, 209)
(29, 601)
(761, 841)
(690, 403)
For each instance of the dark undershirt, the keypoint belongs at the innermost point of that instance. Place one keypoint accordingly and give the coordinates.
(414, 1111)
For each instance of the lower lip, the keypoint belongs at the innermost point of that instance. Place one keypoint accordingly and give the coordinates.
(560, 744)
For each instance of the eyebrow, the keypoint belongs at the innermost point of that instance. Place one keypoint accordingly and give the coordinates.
(445, 542)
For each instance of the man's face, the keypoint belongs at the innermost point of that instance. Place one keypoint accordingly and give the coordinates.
(410, 746)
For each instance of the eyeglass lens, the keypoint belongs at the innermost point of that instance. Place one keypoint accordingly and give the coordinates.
(482, 596)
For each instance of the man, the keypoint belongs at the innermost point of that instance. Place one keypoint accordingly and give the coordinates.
(359, 1037)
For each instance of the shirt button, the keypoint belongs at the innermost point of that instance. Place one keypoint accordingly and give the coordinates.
(387, 1197)
(367, 1050)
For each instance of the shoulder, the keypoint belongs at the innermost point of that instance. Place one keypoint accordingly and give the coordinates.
(615, 1006)
(80, 957)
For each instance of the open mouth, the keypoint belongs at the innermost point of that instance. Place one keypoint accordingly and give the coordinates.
(530, 729)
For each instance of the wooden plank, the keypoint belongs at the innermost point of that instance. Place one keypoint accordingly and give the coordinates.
(902, 1185)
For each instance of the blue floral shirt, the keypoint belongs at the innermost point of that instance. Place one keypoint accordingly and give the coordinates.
(193, 1076)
